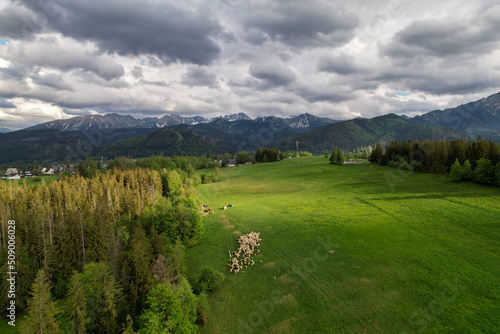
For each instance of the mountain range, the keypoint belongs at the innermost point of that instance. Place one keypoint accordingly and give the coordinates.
(472, 119)
(362, 132)
(115, 135)
(115, 121)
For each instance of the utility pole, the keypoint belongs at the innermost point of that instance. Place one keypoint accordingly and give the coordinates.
(297, 143)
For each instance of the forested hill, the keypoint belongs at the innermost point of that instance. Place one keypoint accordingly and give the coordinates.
(169, 141)
(51, 145)
(475, 118)
(361, 132)
(27, 146)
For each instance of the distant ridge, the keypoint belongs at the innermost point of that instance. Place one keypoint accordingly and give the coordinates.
(362, 132)
(115, 121)
(302, 122)
(472, 119)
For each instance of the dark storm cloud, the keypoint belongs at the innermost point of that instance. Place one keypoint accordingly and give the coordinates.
(52, 80)
(337, 64)
(19, 22)
(449, 85)
(324, 93)
(199, 76)
(446, 39)
(443, 56)
(6, 104)
(435, 79)
(244, 56)
(272, 75)
(301, 24)
(14, 73)
(88, 77)
(159, 28)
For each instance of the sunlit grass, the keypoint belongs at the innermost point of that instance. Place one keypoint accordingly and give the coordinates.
(353, 249)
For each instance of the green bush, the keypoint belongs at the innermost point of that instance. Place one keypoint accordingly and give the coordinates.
(456, 171)
(484, 172)
(208, 280)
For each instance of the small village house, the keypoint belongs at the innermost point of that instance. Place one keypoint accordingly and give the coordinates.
(12, 174)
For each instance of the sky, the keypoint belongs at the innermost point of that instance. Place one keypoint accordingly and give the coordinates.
(337, 59)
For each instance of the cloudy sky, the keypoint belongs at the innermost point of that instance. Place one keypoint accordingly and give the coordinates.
(331, 58)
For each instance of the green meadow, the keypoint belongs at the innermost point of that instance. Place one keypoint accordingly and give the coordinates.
(30, 181)
(351, 249)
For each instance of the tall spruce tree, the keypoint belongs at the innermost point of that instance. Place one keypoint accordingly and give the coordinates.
(77, 304)
(102, 293)
(42, 311)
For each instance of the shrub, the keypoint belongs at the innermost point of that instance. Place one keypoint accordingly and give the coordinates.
(456, 171)
(417, 166)
(305, 154)
(208, 280)
(484, 172)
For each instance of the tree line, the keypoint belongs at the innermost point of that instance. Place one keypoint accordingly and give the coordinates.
(477, 160)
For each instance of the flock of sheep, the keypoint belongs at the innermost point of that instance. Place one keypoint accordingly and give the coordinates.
(249, 244)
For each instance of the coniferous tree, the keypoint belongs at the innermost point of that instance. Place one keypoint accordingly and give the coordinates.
(467, 173)
(333, 155)
(337, 156)
(42, 311)
(340, 157)
(102, 293)
(376, 155)
(77, 304)
(128, 327)
(141, 258)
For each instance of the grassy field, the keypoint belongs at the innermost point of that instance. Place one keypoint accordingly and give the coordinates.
(31, 180)
(352, 249)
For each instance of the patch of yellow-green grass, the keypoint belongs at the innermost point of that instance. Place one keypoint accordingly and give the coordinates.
(30, 181)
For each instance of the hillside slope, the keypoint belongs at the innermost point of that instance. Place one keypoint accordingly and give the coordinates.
(169, 141)
(49, 145)
(360, 132)
(472, 119)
